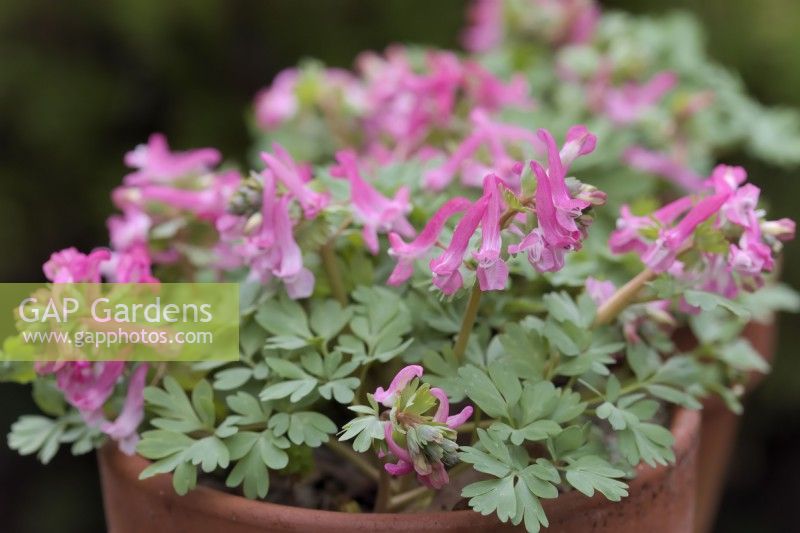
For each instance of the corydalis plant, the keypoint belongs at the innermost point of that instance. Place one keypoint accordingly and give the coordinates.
(419, 222)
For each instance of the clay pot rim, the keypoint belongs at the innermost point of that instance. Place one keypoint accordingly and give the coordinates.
(207, 501)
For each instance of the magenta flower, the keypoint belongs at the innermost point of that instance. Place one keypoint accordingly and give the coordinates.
(208, 202)
(628, 235)
(543, 256)
(663, 165)
(485, 25)
(492, 271)
(129, 266)
(71, 266)
(299, 281)
(278, 103)
(129, 229)
(446, 267)
(123, 428)
(599, 291)
(626, 104)
(295, 178)
(782, 229)
(401, 379)
(492, 135)
(373, 210)
(662, 253)
(420, 442)
(408, 253)
(156, 164)
(558, 213)
(740, 208)
(86, 385)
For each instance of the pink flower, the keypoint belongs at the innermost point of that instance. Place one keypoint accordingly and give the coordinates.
(663, 165)
(373, 210)
(428, 442)
(492, 135)
(445, 267)
(485, 25)
(156, 164)
(662, 253)
(278, 103)
(599, 291)
(628, 235)
(726, 179)
(492, 272)
(740, 208)
(129, 266)
(208, 201)
(129, 229)
(626, 104)
(558, 213)
(406, 254)
(299, 281)
(123, 428)
(295, 177)
(86, 385)
(488, 92)
(543, 256)
(71, 266)
(401, 379)
(782, 229)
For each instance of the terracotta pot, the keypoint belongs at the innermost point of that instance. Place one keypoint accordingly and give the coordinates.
(718, 434)
(661, 500)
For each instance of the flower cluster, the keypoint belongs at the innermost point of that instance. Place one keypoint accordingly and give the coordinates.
(718, 240)
(169, 202)
(432, 172)
(398, 99)
(88, 385)
(420, 439)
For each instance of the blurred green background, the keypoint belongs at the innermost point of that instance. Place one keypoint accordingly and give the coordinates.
(81, 82)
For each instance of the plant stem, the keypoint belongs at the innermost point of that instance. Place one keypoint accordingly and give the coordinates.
(383, 495)
(362, 378)
(469, 427)
(360, 462)
(403, 499)
(332, 270)
(620, 299)
(467, 322)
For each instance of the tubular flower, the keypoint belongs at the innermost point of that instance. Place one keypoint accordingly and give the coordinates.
(492, 135)
(492, 270)
(265, 242)
(560, 215)
(408, 253)
(71, 266)
(421, 442)
(556, 22)
(281, 101)
(295, 177)
(373, 210)
(123, 428)
(663, 165)
(660, 255)
(446, 267)
(628, 235)
(129, 229)
(729, 207)
(156, 164)
(627, 104)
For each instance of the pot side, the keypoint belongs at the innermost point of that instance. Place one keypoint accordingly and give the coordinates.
(662, 499)
(718, 432)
